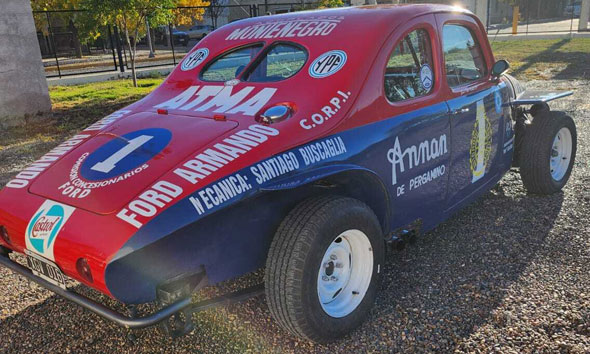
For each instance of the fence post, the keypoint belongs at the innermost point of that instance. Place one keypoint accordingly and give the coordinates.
(112, 46)
(172, 43)
(515, 15)
(53, 43)
(119, 54)
(572, 3)
(488, 17)
(528, 14)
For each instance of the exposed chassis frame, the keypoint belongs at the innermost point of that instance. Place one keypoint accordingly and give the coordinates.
(184, 306)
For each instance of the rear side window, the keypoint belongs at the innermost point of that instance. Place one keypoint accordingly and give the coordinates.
(280, 62)
(230, 65)
(463, 56)
(409, 72)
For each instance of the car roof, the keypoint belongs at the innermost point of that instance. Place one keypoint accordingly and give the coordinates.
(364, 20)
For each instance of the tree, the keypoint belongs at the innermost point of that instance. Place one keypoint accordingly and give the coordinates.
(215, 9)
(189, 11)
(80, 24)
(130, 17)
(331, 3)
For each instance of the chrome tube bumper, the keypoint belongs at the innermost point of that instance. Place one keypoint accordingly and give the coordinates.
(184, 305)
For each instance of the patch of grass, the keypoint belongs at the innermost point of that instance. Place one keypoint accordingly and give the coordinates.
(75, 107)
(545, 59)
(66, 97)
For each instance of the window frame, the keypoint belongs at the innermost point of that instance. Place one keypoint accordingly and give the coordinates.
(424, 24)
(432, 67)
(475, 35)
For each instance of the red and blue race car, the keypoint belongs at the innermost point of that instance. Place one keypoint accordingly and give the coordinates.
(304, 143)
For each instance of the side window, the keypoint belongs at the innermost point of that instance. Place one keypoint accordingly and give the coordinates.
(409, 72)
(230, 65)
(463, 56)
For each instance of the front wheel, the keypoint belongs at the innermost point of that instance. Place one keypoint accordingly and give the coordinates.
(548, 152)
(323, 268)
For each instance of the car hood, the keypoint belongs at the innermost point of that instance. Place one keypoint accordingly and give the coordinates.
(108, 170)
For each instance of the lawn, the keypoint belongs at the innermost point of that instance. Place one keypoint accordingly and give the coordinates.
(75, 107)
(543, 59)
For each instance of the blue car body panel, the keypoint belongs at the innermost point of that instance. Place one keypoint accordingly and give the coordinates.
(420, 159)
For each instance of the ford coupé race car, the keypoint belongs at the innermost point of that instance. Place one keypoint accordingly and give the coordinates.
(304, 143)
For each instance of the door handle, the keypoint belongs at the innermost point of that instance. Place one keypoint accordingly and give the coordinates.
(461, 111)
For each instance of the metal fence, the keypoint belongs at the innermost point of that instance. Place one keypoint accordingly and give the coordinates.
(72, 44)
(534, 17)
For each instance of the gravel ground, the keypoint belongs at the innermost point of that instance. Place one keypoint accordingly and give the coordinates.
(510, 273)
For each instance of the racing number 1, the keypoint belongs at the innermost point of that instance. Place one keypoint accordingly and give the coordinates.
(110, 163)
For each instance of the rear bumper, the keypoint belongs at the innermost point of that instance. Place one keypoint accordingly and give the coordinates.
(185, 305)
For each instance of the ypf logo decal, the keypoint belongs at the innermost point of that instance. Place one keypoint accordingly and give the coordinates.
(481, 144)
(194, 59)
(124, 153)
(45, 226)
(327, 64)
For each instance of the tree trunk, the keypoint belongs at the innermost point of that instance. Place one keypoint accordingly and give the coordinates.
(76, 40)
(132, 52)
(148, 39)
(168, 37)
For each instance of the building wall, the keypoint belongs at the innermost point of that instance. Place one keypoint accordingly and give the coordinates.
(23, 87)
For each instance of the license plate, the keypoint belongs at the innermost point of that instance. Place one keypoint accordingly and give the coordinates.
(46, 269)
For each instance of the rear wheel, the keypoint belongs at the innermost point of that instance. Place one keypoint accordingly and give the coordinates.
(548, 152)
(323, 267)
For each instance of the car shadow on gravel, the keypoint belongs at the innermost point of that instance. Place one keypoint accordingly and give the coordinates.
(435, 293)
(448, 284)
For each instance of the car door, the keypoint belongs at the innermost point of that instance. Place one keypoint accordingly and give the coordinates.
(475, 103)
(416, 121)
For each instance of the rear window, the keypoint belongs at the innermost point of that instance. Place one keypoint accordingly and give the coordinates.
(280, 62)
(228, 66)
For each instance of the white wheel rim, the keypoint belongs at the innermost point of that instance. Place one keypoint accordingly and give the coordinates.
(561, 153)
(345, 273)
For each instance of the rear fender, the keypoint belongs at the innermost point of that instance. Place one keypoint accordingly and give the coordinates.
(235, 240)
(348, 180)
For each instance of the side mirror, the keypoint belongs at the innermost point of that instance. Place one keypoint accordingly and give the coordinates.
(500, 68)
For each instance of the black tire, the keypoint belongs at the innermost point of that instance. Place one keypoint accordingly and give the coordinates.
(537, 149)
(295, 255)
